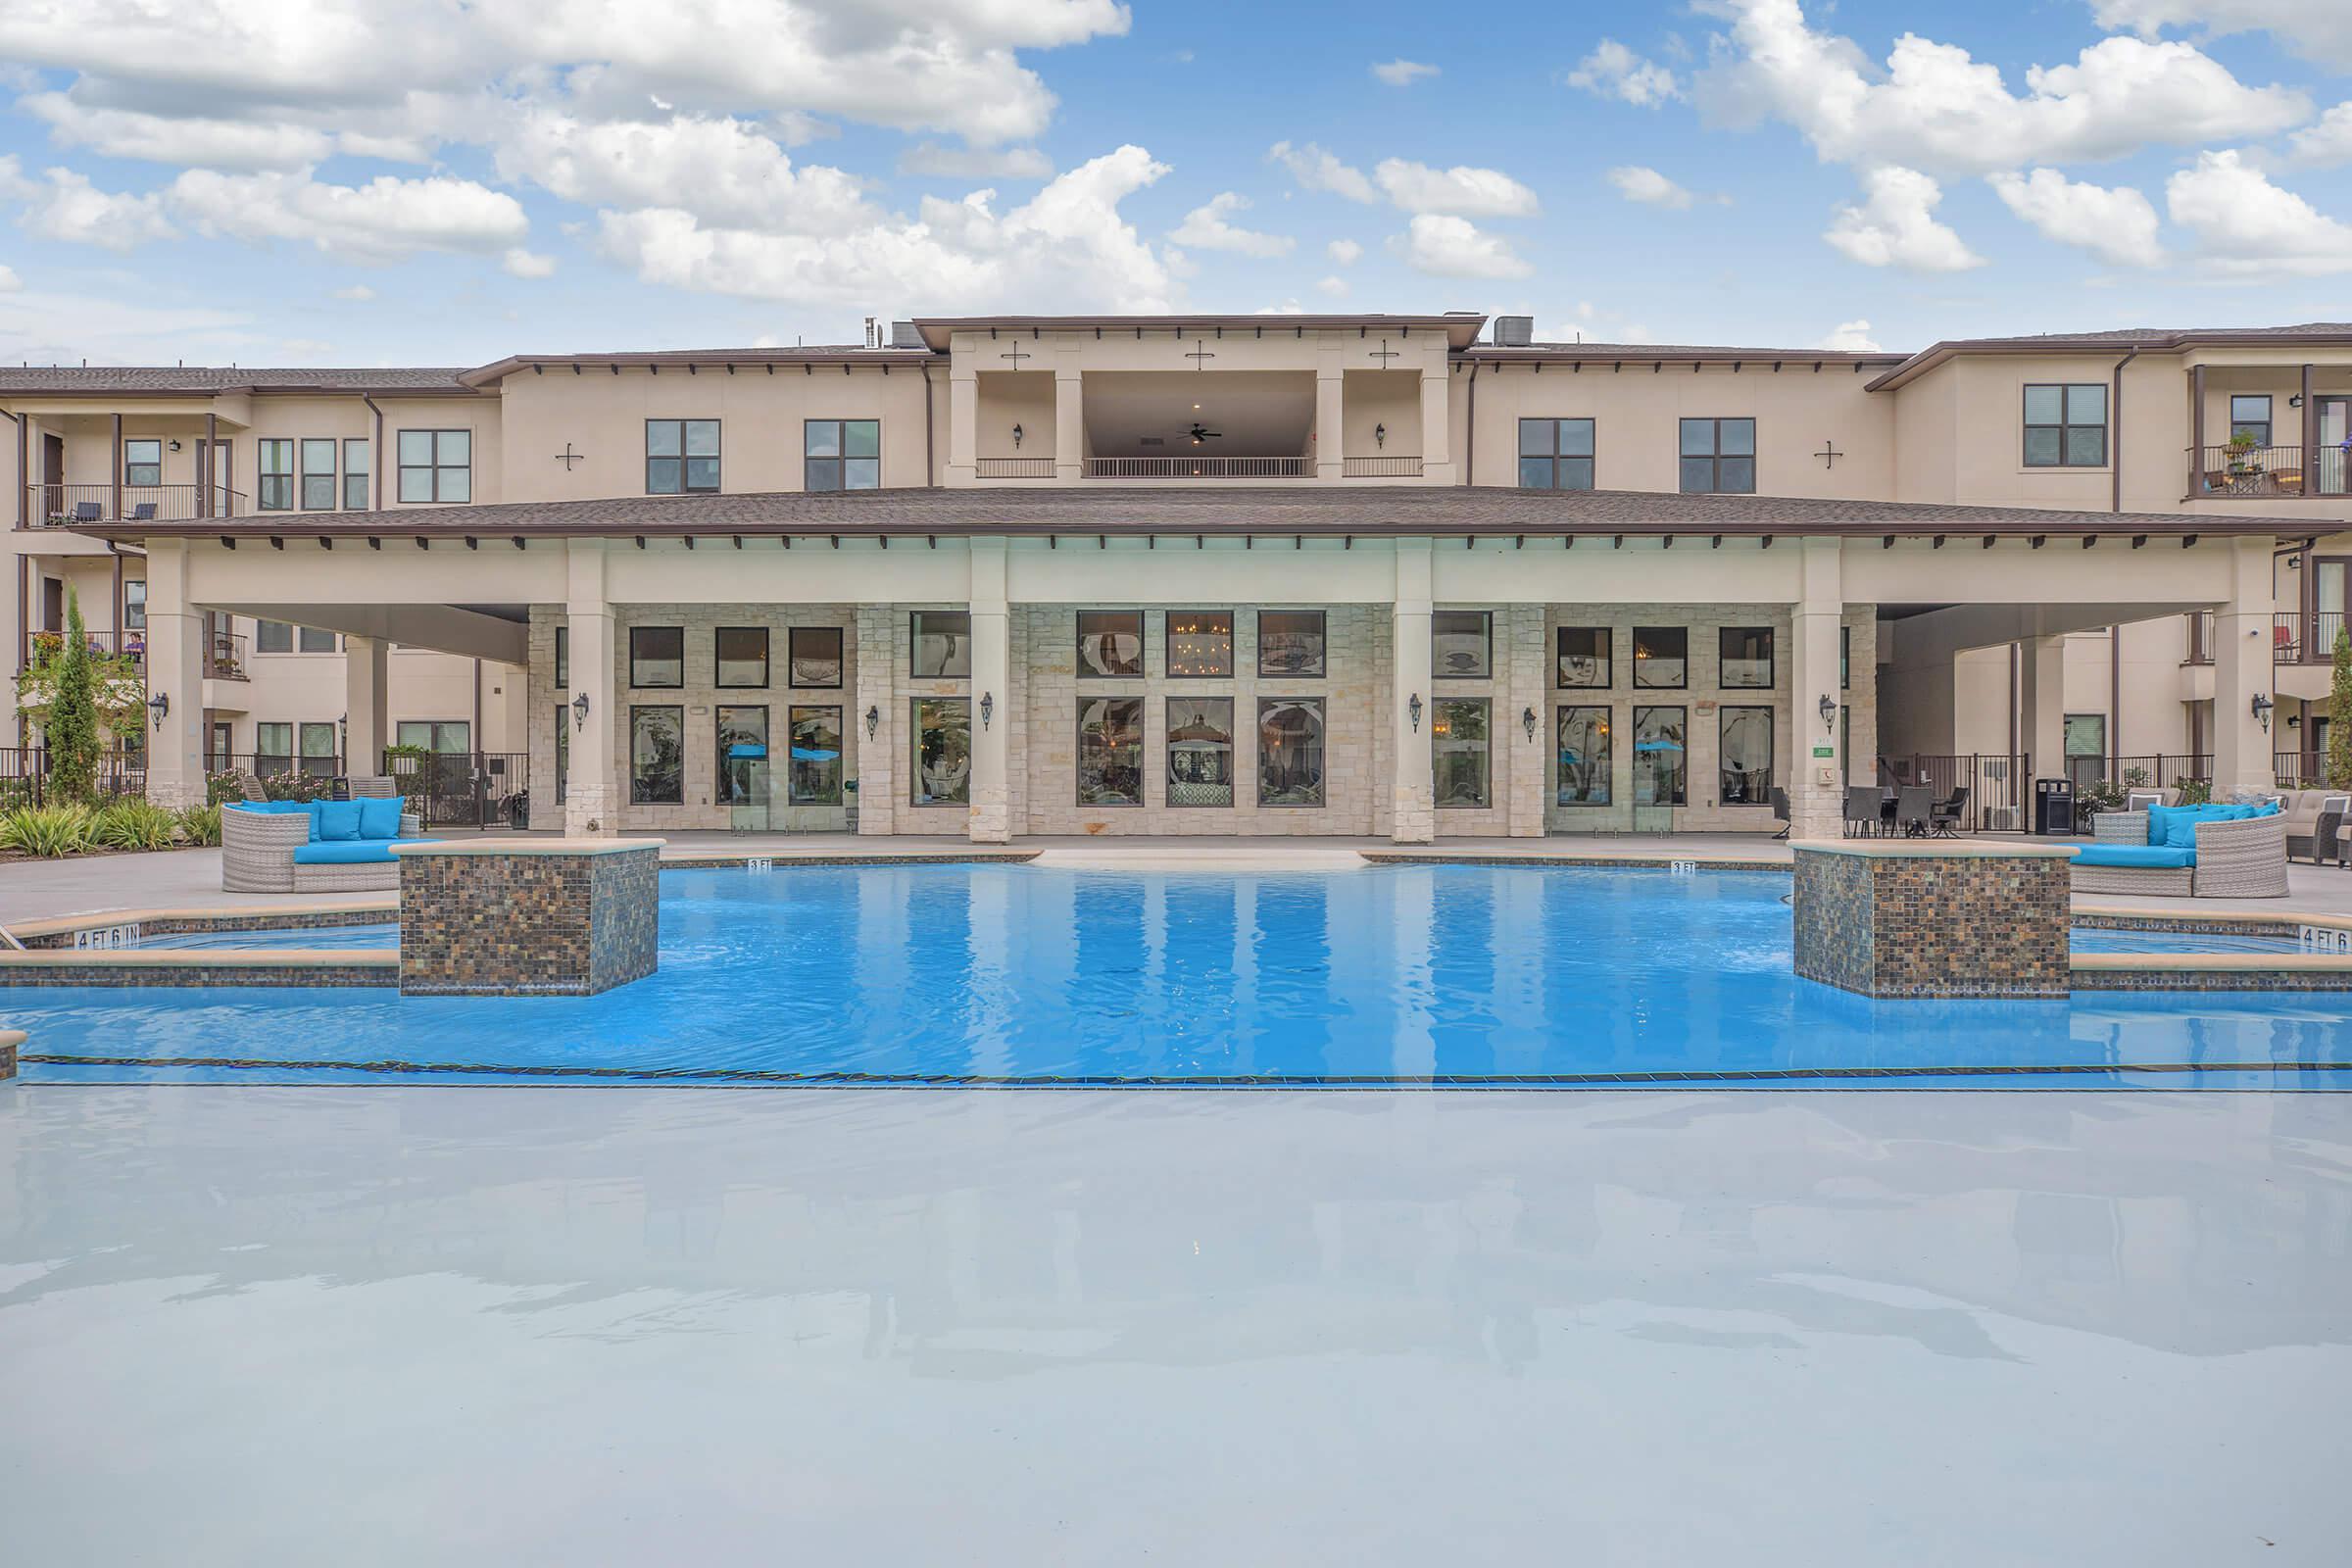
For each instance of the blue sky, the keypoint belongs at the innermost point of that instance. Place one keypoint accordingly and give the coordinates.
(365, 182)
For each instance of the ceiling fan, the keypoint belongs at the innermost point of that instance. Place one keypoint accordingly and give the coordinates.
(1200, 434)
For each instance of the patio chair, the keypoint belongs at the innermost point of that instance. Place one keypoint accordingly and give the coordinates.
(144, 511)
(2141, 800)
(85, 512)
(1914, 803)
(1943, 821)
(1780, 811)
(1861, 808)
(251, 788)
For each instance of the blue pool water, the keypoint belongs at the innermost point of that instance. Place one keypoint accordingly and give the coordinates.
(2097, 941)
(386, 935)
(1001, 973)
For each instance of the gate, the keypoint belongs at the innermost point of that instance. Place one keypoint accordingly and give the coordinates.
(487, 790)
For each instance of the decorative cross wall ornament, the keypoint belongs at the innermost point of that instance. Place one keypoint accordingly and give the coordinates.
(1199, 356)
(1829, 455)
(1383, 354)
(1015, 354)
(567, 457)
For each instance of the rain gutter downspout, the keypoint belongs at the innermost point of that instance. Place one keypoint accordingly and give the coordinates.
(1470, 432)
(376, 455)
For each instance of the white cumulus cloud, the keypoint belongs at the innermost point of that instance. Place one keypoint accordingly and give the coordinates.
(1207, 228)
(975, 163)
(723, 171)
(520, 263)
(1849, 337)
(62, 205)
(1895, 225)
(1403, 73)
(1344, 252)
(1612, 71)
(1336, 287)
(1637, 183)
(382, 220)
(1444, 246)
(1316, 169)
(2329, 141)
(2117, 224)
(1461, 190)
(2318, 30)
(2247, 227)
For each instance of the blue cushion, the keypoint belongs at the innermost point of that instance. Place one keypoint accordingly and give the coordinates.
(2138, 856)
(338, 821)
(268, 807)
(350, 851)
(380, 819)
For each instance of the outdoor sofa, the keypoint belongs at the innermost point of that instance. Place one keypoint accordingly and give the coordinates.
(2206, 851)
(313, 846)
(2314, 817)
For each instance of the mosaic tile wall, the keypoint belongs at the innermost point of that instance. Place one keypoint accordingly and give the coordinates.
(162, 974)
(1932, 925)
(527, 924)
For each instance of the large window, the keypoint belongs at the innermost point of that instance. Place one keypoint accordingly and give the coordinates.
(681, 455)
(1555, 453)
(2085, 736)
(273, 637)
(563, 722)
(441, 737)
(843, 454)
(436, 465)
(656, 656)
(743, 764)
(1719, 457)
(657, 755)
(1584, 756)
(814, 655)
(1660, 756)
(1583, 653)
(942, 751)
(941, 643)
(1290, 750)
(274, 476)
(272, 749)
(1200, 642)
(359, 464)
(814, 778)
(1461, 644)
(1199, 750)
(741, 657)
(1111, 750)
(2066, 427)
(2250, 416)
(134, 603)
(1458, 734)
(1110, 642)
(1747, 657)
(1746, 756)
(1290, 642)
(562, 656)
(317, 474)
(1662, 657)
(319, 748)
(143, 462)
(314, 640)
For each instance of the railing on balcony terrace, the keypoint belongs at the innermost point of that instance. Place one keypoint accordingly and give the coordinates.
(42, 647)
(2300, 639)
(1198, 468)
(1380, 467)
(1013, 467)
(224, 657)
(64, 506)
(2229, 473)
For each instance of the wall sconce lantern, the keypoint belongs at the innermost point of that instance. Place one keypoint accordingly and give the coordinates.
(1527, 721)
(1412, 709)
(160, 705)
(579, 711)
(175, 444)
(1380, 435)
(2262, 709)
(873, 721)
(1017, 438)
(1829, 712)
(2294, 721)
(2294, 402)
(988, 708)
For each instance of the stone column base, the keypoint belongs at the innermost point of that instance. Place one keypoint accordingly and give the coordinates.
(524, 917)
(1935, 919)
(1414, 817)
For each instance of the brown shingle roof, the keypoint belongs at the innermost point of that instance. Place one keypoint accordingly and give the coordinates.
(1179, 510)
(2123, 340)
(206, 380)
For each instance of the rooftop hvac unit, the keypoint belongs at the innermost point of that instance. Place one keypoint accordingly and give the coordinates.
(904, 335)
(1514, 331)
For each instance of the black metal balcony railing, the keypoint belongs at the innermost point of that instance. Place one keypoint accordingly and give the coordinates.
(65, 505)
(2299, 639)
(1198, 468)
(24, 775)
(224, 657)
(2235, 472)
(43, 647)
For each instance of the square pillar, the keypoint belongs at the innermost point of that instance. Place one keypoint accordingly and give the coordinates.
(1436, 433)
(1906, 919)
(1817, 767)
(1520, 652)
(992, 692)
(175, 665)
(2242, 670)
(1413, 793)
(1330, 439)
(963, 426)
(877, 754)
(527, 918)
(366, 673)
(591, 803)
(2041, 709)
(1069, 426)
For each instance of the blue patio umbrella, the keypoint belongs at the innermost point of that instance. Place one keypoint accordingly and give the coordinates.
(1657, 746)
(747, 751)
(811, 754)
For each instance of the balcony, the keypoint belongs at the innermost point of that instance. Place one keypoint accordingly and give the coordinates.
(1012, 467)
(1199, 467)
(41, 648)
(2260, 473)
(69, 506)
(224, 657)
(1380, 467)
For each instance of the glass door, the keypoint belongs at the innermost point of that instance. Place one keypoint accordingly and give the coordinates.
(2332, 463)
(2327, 590)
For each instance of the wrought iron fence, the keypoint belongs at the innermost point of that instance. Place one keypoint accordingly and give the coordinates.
(1998, 787)
(465, 789)
(27, 780)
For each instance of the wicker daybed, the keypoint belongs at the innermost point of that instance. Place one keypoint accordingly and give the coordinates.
(2241, 857)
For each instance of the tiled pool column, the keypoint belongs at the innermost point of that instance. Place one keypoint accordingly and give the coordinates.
(1922, 919)
(517, 917)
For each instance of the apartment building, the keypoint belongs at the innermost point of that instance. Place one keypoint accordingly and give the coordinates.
(1336, 574)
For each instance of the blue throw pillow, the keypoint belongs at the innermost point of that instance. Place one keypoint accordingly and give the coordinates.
(336, 819)
(380, 819)
(2172, 827)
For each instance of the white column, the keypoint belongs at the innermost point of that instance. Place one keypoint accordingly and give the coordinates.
(1330, 441)
(2041, 709)
(1069, 424)
(992, 691)
(592, 798)
(365, 671)
(175, 672)
(1520, 652)
(1816, 770)
(879, 786)
(964, 425)
(2243, 671)
(1412, 814)
(1437, 435)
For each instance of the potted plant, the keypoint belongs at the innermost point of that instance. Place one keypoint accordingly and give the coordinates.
(2242, 462)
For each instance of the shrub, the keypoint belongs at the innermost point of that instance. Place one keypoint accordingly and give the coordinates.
(2193, 791)
(133, 825)
(297, 787)
(220, 788)
(70, 727)
(199, 824)
(46, 830)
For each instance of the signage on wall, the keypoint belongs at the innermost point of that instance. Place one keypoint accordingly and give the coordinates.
(1825, 751)
(759, 862)
(109, 936)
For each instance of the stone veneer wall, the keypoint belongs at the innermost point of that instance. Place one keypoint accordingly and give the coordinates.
(1934, 925)
(530, 923)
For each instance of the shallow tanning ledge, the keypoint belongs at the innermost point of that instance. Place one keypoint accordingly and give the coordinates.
(527, 918)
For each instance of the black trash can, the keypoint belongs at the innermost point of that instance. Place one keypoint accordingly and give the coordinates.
(2054, 807)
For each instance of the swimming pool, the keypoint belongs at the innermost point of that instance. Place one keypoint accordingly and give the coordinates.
(327, 936)
(1471, 976)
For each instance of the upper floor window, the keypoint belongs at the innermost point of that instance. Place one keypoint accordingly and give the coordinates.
(940, 644)
(681, 455)
(2250, 416)
(1555, 453)
(436, 465)
(1584, 656)
(134, 603)
(1461, 644)
(317, 475)
(142, 462)
(1200, 643)
(1719, 457)
(1110, 642)
(358, 466)
(2066, 427)
(275, 481)
(1663, 656)
(281, 637)
(656, 656)
(563, 656)
(740, 654)
(843, 454)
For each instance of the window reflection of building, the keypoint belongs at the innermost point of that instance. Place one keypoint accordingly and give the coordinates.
(1660, 756)
(1290, 642)
(1584, 756)
(942, 645)
(1110, 642)
(1458, 753)
(1582, 657)
(1746, 755)
(1111, 750)
(1199, 750)
(942, 751)
(742, 756)
(1200, 643)
(815, 775)
(1290, 750)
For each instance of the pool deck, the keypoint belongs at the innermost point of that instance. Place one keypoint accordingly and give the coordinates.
(622, 1325)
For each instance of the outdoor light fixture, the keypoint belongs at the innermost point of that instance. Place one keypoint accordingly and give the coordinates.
(1380, 435)
(579, 711)
(2294, 402)
(1412, 709)
(988, 708)
(175, 445)
(1828, 711)
(1527, 720)
(2261, 709)
(1017, 438)
(873, 721)
(160, 705)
